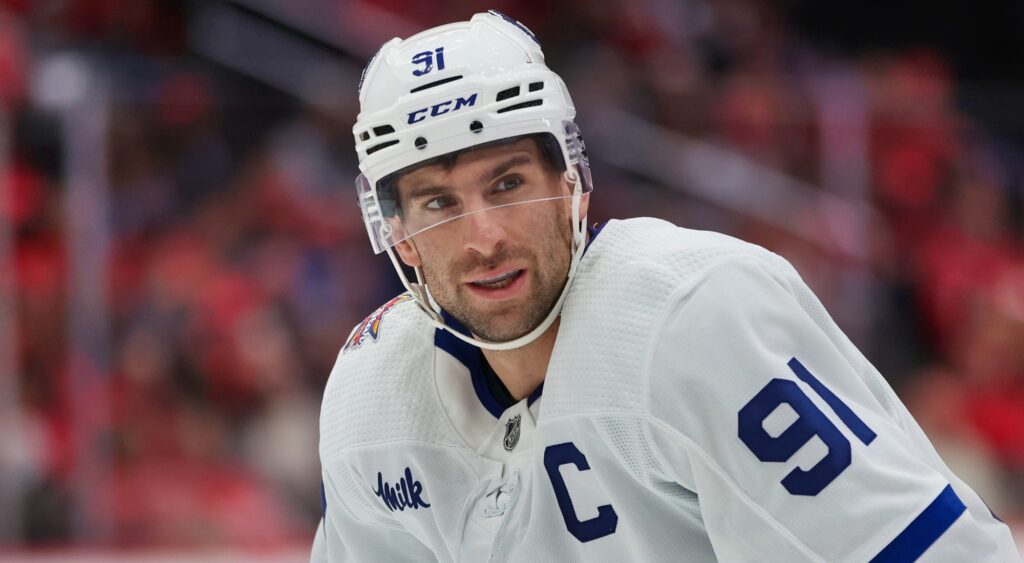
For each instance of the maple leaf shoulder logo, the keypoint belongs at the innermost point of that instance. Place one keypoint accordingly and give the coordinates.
(369, 329)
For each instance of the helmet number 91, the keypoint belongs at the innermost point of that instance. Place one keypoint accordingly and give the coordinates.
(426, 59)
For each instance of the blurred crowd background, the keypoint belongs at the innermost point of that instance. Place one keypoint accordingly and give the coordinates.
(181, 255)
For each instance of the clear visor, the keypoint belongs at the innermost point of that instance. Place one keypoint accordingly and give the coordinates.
(500, 177)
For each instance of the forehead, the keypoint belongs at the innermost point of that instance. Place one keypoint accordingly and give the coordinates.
(472, 161)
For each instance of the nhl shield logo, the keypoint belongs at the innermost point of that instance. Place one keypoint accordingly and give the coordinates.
(512, 432)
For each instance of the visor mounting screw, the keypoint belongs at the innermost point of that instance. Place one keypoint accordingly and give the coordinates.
(420, 143)
(476, 126)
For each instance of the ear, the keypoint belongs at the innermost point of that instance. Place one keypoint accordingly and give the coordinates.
(584, 205)
(408, 253)
(584, 199)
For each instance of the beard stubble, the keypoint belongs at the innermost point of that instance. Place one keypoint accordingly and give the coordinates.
(512, 320)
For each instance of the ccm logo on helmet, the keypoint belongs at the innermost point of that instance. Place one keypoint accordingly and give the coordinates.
(442, 108)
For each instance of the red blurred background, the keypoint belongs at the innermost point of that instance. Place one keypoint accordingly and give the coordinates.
(181, 255)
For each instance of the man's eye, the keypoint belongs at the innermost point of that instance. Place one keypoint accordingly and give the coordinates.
(509, 183)
(440, 202)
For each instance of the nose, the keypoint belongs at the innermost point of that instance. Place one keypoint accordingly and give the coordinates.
(484, 232)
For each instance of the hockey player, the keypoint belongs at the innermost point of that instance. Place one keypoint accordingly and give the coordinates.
(642, 393)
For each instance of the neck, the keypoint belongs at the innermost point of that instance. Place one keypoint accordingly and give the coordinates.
(521, 370)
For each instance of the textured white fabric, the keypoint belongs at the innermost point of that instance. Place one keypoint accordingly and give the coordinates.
(667, 335)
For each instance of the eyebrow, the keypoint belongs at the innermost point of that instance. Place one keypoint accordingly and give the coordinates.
(435, 189)
(427, 190)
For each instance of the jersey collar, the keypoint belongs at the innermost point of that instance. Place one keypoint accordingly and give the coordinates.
(479, 372)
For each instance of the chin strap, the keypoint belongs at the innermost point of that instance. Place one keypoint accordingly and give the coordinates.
(421, 293)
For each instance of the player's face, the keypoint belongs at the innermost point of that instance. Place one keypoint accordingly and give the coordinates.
(498, 270)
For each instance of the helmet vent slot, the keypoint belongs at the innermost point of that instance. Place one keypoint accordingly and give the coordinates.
(534, 86)
(507, 93)
(383, 145)
(364, 136)
(383, 130)
(435, 83)
(521, 105)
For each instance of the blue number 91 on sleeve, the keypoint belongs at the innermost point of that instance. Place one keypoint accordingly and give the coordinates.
(810, 422)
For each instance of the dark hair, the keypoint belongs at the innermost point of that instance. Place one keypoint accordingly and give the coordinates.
(387, 187)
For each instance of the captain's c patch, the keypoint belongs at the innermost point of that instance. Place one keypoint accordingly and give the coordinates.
(370, 327)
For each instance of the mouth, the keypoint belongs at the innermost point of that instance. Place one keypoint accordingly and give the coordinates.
(499, 281)
(498, 286)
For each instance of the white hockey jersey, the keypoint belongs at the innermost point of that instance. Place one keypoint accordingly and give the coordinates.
(699, 405)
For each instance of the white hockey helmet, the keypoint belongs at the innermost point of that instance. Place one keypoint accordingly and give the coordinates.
(449, 89)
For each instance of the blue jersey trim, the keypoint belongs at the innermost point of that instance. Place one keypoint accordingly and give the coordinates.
(471, 357)
(323, 505)
(593, 231)
(990, 511)
(535, 395)
(925, 530)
